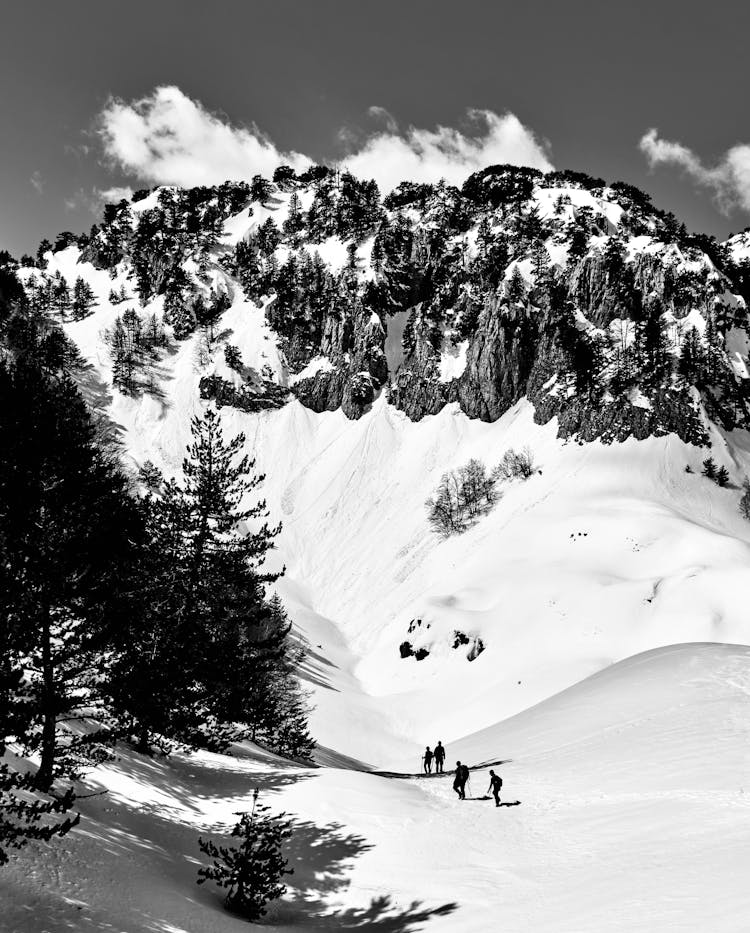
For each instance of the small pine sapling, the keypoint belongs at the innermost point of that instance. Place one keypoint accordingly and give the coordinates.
(722, 477)
(252, 871)
(709, 468)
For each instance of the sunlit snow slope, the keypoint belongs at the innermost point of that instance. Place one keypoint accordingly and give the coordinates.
(631, 784)
(604, 552)
(633, 814)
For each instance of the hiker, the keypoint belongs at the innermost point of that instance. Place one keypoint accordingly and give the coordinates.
(459, 781)
(496, 782)
(427, 759)
(439, 757)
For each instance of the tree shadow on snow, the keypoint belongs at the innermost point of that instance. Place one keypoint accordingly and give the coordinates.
(312, 669)
(382, 916)
(322, 858)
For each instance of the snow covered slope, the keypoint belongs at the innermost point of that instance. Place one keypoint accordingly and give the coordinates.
(632, 810)
(633, 816)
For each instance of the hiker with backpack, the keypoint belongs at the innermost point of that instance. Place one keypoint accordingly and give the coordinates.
(427, 760)
(496, 782)
(439, 754)
(459, 781)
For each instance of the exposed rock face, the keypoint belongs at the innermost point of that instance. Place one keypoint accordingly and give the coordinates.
(246, 398)
(360, 368)
(499, 361)
(669, 411)
(580, 296)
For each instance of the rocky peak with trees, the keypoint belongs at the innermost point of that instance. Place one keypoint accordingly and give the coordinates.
(580, 295)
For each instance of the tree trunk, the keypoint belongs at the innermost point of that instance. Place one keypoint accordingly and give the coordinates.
(143, 745)
(45, 774)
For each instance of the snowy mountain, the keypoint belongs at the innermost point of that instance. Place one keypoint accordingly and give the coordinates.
(366, 347)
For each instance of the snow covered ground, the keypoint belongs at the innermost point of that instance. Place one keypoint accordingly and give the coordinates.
(633, 814)
(628, 755)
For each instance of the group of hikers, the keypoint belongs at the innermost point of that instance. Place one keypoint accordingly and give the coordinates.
(461, 774)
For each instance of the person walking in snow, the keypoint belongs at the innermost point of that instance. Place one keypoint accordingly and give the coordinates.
(439, 757)
(427, 760)
(459, 781)
(496, 782)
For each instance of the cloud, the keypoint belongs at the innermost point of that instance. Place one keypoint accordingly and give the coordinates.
(168, 138)
(446, 152)
(113, 195)
(37, 181)
(729, 179)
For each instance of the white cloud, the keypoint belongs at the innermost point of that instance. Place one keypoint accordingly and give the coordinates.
(168, 138)
(37, 181)
(445, 152)
(729, 179)
(113, 195)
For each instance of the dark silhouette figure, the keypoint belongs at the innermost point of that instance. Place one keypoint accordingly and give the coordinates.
(459, 782)
(427, 760)
(496, 782)
(439, 757)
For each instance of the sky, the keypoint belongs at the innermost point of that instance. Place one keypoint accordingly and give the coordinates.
(99, 98)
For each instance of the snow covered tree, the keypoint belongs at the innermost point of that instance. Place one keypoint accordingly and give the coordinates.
(722, 476)
(252, 872)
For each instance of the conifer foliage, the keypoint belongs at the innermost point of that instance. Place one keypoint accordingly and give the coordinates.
(252, 872)
(67, 527)
(207, 658)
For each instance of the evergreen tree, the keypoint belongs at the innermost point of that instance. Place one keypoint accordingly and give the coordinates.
(232, 357)
(201, 660)
(709, 468)
(27, 816)
(60, 295)
(67, 528)
(252, 872)
(83, 299)
(692, 360)
(722, 476)
(515, 288)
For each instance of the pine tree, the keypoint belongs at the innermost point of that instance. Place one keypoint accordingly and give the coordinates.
(252, 872)
(60, 295)
(232, 357)
(203, 657)
(722, 476)
(67, 535)
(709, 468)
(692, 360)
(27, 816)
(515, 289)
(84, 299)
